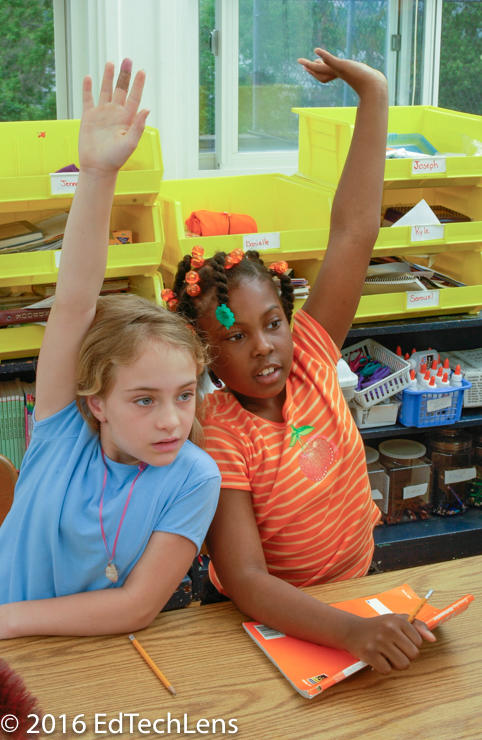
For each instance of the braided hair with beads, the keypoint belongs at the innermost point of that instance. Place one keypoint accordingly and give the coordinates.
(221, 271)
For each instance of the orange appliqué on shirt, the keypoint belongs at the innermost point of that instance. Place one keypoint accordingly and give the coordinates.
(317, 453)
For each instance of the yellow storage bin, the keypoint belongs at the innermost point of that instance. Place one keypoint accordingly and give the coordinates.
(31, 150)
(25, 340)
(291, 215)
(465, 267)
(141, 257)
(465, 200)
(325, 136)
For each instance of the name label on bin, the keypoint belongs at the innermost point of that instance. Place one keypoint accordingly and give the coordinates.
(460, 475)
(439, 402)
(427, 233)
(420, 489)
(261, 241)
(422, 298)
(62, 183)
(429, 165)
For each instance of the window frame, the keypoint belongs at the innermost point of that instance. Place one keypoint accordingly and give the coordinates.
(88, 33)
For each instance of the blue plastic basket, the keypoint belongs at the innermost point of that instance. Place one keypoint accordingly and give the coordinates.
(432, 408)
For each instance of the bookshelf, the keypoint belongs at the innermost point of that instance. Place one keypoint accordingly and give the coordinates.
(439, 538)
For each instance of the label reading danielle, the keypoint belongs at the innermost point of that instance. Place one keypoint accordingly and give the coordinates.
(261, 242)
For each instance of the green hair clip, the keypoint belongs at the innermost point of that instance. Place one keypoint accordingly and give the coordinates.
(225, 316)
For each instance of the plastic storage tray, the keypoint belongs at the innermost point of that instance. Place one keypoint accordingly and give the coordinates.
(292, 217)
(387, 387)
(25, 340)
(140, 258)
(380, 415)
(325, 136)
(31, 150)
(431, 408)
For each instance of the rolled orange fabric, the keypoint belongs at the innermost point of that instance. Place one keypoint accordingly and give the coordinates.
(214, 223)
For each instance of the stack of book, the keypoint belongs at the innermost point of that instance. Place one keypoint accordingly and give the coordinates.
(32, 305)
(23, 236)
(17, 399)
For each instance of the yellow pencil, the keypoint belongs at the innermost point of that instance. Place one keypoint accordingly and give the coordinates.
(419, 605)
(152, 665)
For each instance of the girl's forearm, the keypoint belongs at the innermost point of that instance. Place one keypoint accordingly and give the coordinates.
(357, 201)
(85, 243)
(288, 609)
(108, 611)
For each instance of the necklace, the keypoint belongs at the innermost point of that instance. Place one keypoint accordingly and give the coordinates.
(111, 570)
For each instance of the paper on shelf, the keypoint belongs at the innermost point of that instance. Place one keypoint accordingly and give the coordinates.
(420, 215)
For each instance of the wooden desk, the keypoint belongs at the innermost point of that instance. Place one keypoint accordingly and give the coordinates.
(219, 673)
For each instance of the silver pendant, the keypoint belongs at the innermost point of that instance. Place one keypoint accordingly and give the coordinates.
(111, 572)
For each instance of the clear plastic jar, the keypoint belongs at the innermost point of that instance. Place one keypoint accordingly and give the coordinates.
(379, 481)
(477, 443)
(453, 470)
(410, 473)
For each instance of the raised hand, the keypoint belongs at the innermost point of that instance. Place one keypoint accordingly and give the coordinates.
(329, 67)
(110, 130)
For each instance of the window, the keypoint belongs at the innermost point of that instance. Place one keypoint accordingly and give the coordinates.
(222, 74)
(460, 58)
(250, 81)
(27, 82)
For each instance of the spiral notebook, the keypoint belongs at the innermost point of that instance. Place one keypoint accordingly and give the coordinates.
(312, 668)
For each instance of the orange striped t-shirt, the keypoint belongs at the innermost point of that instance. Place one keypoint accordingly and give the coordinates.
(307, 475)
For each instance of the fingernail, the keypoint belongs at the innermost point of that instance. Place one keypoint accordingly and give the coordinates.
(126, 65)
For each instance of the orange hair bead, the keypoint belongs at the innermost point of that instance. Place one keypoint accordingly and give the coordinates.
(192, 277)
(193, 289)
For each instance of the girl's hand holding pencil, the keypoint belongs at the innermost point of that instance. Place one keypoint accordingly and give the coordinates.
(389, 641)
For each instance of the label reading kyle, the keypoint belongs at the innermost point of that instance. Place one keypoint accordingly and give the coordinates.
(439, 402)
(261, 241)
(429, 166)
(418, 490)
(427, 233)
(62, 183)
(422, 298)
(460, 475)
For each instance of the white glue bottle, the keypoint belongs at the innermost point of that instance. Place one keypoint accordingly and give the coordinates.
(456, 377)
(445, 381)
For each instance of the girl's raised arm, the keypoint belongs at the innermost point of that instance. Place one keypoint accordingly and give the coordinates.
(109, 133)
(355, 216)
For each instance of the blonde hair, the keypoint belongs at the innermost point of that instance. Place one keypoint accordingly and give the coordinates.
(121, 325)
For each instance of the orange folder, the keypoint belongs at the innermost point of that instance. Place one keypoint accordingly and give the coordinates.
(312, 668)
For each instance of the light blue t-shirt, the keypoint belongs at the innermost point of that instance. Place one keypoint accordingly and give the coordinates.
(51, 542)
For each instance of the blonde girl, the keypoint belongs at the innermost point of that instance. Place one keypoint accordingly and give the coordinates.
(113, 500)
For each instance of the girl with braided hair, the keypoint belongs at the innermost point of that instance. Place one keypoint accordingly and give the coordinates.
(295, 507)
